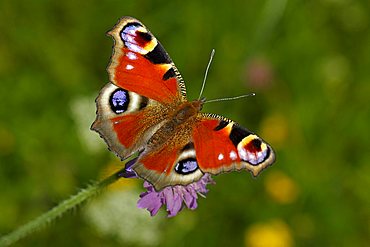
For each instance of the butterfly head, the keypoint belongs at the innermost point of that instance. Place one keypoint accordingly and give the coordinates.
(198, 104)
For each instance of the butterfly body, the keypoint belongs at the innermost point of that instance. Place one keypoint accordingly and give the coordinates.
(145, 109)
(182, 119)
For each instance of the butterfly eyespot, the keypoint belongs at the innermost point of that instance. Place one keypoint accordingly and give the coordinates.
(137, 39)
(186, 166)
(119, 101)
(252, 150)
(133, 39)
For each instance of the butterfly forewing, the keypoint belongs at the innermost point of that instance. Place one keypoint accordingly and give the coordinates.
(140, 64)
(222, 145)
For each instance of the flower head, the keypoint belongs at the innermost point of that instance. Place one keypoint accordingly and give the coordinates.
(173, 197)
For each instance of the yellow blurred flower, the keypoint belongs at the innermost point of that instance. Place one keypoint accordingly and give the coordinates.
(280, 187)
(275, 233)
(120, 184)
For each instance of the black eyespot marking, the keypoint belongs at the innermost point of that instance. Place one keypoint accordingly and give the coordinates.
(186, 166)
(158, 55)
(256, 143)
(169, 74)
(237, 134)
(221, 125)
(144, 102)
(188, 146)
(144, 36)
(119, 101)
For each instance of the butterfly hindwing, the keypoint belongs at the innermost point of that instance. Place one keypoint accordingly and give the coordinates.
(169, 157)
(140, 64)
(169, 165)
(126, 120)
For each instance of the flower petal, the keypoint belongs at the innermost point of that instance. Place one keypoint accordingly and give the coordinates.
(168, 197)
(150, 201)
(176, 205)
(190, 199)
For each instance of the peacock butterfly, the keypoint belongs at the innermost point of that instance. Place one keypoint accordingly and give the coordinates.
(144, 110)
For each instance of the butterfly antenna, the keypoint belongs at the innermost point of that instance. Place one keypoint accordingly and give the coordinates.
(230, 98)
(205, 76)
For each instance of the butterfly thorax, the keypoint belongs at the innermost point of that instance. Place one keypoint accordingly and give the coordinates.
(186, 111)
(185, 114)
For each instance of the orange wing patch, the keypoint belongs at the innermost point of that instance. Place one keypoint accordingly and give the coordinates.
(161, 161)
(215, 151)
(137, 74)
(129, 128)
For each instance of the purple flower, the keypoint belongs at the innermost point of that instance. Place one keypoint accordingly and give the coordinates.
(173, 197)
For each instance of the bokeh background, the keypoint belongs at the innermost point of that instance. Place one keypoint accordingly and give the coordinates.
(308, 62)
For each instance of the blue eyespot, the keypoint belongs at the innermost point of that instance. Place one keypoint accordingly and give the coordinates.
(186, 166)
(119, 101)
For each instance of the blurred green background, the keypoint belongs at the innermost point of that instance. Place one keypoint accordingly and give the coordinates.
(308, 62)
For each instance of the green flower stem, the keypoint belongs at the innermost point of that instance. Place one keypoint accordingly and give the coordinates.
(58, 210)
